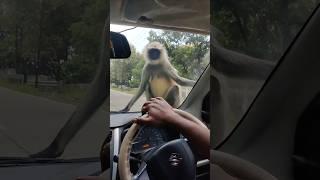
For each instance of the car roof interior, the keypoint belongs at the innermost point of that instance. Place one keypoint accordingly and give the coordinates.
(278, 131)
(191, 16)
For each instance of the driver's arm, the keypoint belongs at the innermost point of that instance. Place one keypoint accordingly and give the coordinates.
(160, 112)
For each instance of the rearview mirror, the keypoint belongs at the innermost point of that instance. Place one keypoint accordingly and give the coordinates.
(119, 46)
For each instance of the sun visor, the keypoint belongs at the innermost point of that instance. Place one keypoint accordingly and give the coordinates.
(188, 15)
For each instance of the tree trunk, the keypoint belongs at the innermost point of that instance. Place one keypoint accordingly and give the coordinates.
(16, 48)
(66, 51)
(24, 63)
(39, 46)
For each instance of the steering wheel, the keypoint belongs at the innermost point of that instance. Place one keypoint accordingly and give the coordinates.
(125, 149)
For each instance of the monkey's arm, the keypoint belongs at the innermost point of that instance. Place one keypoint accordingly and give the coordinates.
(142, 87)
(180, 80)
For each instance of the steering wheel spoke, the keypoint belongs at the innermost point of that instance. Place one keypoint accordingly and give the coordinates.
(142, 172)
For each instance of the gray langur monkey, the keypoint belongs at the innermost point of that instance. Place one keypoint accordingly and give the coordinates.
(159, 78)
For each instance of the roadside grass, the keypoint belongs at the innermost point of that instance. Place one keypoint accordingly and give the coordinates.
(126, 90)
(70, 94)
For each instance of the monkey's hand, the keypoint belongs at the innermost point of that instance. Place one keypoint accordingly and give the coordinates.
(186, 82)
(192, 83)
(181, 80)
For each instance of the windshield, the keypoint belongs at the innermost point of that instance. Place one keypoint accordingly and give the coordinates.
(188, 54)
(249, 39)
(49, 54)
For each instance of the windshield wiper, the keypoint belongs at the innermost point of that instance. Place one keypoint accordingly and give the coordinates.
(21, 161)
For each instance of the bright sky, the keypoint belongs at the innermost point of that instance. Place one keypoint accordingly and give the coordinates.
(137, 36)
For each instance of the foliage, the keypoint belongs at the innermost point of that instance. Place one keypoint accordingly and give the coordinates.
(46, 33)
(127, 72)
(78, 71)
(186, 52)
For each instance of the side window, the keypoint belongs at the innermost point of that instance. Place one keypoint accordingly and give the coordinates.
(49, 54)
(249, 39)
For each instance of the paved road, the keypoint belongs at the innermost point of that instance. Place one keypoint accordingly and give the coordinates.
(29, 123)
(118, 100)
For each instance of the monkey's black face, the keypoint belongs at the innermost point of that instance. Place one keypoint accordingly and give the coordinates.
(154, 54)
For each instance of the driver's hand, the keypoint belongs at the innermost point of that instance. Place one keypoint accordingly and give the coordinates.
(159, 112)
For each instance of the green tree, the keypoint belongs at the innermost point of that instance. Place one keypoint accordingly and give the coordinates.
(127, 72)
(137, 63)
(37, 35)
(186, 50)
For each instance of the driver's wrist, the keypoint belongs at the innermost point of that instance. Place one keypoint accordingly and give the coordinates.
(175, 119)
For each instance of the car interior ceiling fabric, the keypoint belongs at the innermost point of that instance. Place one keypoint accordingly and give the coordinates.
(236, 80)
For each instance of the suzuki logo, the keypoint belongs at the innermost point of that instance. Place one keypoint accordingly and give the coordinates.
(175, 159)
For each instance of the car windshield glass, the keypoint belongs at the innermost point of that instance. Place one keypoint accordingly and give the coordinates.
(186, 53)
(249, 39)
(49, 55)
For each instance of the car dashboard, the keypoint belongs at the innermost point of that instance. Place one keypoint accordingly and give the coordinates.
(146, 139)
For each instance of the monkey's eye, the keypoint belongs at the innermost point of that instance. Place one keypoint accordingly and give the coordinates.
(154, 53)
